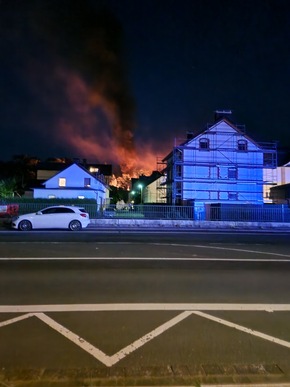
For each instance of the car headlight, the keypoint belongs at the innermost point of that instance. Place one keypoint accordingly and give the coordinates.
(15, 218)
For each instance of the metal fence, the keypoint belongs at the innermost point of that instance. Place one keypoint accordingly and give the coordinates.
(146, 211)
(249, 213)
(209, 212)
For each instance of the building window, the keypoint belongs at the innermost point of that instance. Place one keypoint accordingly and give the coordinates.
(94, 170)
(204, 143)
(178, 188)
(178, 155)
(232, 173)
(268, 159)
(178, 171)
(242, 145)
(233, 196)
(62, 182)
(87, 182)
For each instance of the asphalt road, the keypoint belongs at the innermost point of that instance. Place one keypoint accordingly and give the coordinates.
(137, 303)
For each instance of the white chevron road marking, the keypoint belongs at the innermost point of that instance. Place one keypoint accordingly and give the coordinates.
(94, 351)
(186, 311)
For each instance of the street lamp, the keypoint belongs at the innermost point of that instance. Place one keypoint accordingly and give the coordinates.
(141, 188)
(131, 195)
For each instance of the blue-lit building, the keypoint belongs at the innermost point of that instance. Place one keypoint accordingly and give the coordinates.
(221, 164)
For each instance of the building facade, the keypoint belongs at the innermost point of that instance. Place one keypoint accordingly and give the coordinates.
(221, 164)
(280, 193)
(74, 182)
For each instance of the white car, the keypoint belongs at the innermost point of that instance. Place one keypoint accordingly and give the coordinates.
(68, 217)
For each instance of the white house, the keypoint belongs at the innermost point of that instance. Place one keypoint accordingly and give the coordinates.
(155, 192)
(74, 182)
(219, 165)
(279, 192)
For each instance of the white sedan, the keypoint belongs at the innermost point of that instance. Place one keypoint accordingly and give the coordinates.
(68, 217)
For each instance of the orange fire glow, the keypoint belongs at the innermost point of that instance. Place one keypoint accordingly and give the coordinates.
(93, 129)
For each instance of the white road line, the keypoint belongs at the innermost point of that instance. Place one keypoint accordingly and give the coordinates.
(244, 329)
(222, 248)
(85, 345)
(155, 259)
(149, 336)
(100, 355)
(144, 307)
(111, 360)
(241, 250)
(15, 319)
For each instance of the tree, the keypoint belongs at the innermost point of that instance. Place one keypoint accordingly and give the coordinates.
(8, 188)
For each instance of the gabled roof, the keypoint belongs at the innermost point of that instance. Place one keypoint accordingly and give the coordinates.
(209, 127)
(237, 128)
(80, 167)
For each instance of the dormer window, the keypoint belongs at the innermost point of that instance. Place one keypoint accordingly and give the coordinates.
(242, 145)
(204, 143)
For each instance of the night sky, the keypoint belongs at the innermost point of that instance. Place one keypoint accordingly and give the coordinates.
(119, 81)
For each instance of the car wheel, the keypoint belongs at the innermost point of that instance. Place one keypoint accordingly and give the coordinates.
(25, 225)
(75, 225)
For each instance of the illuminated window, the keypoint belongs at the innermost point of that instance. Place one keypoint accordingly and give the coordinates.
(94, 170)
(62, 182)
(204, 143)
(242, 145)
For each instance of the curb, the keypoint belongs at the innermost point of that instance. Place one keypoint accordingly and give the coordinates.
(208, 375)
(187, 225)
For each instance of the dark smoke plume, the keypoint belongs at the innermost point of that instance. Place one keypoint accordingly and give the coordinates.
(69, 54)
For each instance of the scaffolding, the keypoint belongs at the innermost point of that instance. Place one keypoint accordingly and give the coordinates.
(161, 191)
(211, 167)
